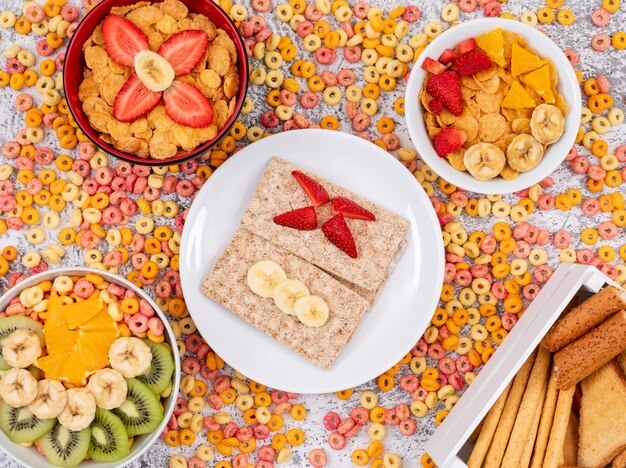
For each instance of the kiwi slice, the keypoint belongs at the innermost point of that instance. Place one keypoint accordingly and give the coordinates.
(161, 369)
(22, 426)
(63, 447)
(17, 322)
(109, 441)
(141, 413)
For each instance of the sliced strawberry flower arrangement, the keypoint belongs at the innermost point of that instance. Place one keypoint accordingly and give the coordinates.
(155, 72)
(336, 228)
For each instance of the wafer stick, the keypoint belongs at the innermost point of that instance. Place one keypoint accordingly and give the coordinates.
(547, 416)
(570, 444)
(474, 435)
(591, 351)
(532, 433)
(583, 318)
(489, 428)
(525, 415)
(554, 452)
(505, 425)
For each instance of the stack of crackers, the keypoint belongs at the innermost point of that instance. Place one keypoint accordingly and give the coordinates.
(566, 409)
(350, 286)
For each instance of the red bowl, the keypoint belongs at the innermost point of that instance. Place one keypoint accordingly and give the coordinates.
(75, 63)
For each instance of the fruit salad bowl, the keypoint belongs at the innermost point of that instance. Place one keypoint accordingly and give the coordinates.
(135, 65)
(448, 155)
(133, 391)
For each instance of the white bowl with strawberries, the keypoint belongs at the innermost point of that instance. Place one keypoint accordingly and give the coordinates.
(493, 106)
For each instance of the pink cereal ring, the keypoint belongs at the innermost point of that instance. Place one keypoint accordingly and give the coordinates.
(392, 141)
(262, 6)
(35, 14)
(409, 383)
(360, 122)
(11, 149)
(311, 13)
(318, 458)
(603, 84)
(561, 239)
(522, 249)
(69, 13)
(345, 77)
(596, 173)
(195, 462)
(138, 323)
(14, 223)
(532, 234)
(391, 417)
(411, 14)
(446, 366)
(467, 6)
(499, 291)
(258, 23)
(266, 453)
(436, 351)
(244, 433)
(301, 120)
(457, 380)
(263, 35)
(600, 17)
(113, 258)
(420, 349)
(489, 244)
(590, 206)
(84, 288)
(608, 230)
(190, 366)
(347, 27)
(221, 383)
(23, 102)
(44, 155)
(360, 9)
(21, 138)
(304, 29)
(579, 164)
(492, 8)
(43, 48)
(230, 430)
(545, 202)
(261, 431)
(345, 425)
(351, 109)
(354, 431)
(542, 273)
(112, 215)
(530, 291)
(269, 119)
(15, 66)
(360, 415)
(600, 42)
(325, 56)
(508, 321)
(444, 332)
(573, 152)
(288, 98)
(463, 364)
(6, 188)
(408, 427)
(572, 56)
(543, 238)
(86, 150)
(282, 408)
(463, 278)
(329, 78)
(352, 54)
(309, 100)
(34, 186)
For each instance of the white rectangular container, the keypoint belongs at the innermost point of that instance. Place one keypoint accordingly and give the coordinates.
(449, 446)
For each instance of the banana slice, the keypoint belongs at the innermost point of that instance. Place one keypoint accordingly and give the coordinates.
(80, 409)
(108, 387)
(154, 71)
(524, 152)
(50, 401)
(21, 348)
(484, 160)
(312, 311)
(547, 123)
(264, 276)
(18, 387)
(130, 356)
(287, 292)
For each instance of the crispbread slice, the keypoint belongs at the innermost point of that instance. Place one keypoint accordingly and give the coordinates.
(602, 427)
(376, 241)
(227, 285)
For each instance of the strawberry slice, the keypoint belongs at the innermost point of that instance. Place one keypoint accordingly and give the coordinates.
(184, 50)
(448, 140)
(447, 88)
(186, 105)
(433, 66)
(123, 39)
(303, 219)
(349, 209)
(134, 100)
(337, 231)
(466, 46)
(315, 191)
(447, 56)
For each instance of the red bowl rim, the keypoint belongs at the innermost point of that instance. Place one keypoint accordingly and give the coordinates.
(90, 133)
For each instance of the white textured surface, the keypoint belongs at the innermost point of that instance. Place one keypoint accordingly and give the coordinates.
(576, 36)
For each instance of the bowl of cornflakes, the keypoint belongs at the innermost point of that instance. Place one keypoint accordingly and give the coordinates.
(493, 105)
(156, 82)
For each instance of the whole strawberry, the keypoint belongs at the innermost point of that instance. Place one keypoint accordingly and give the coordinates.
(447, 88)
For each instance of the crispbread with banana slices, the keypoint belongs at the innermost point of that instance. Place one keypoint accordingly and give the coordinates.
(227, 285)
(376, 241)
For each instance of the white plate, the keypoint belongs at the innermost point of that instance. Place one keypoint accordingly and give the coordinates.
(403, 310)
(568, 87)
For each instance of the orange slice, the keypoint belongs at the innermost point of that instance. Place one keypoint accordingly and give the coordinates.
(78, 337)
(493, 45)
(523, 60)
(517, 97)
(539, 80)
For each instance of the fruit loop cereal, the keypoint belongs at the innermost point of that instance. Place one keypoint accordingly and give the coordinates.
(338, 65)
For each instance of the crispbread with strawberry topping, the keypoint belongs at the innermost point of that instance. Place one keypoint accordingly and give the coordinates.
(376, 241)
(226, 284)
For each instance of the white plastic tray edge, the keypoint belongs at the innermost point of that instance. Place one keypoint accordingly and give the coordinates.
(451, 436)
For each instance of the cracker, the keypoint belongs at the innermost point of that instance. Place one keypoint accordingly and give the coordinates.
(227, 285)
(377, 241)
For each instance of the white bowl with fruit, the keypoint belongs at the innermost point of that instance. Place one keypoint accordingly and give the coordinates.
(89, 370)
(493, 105)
